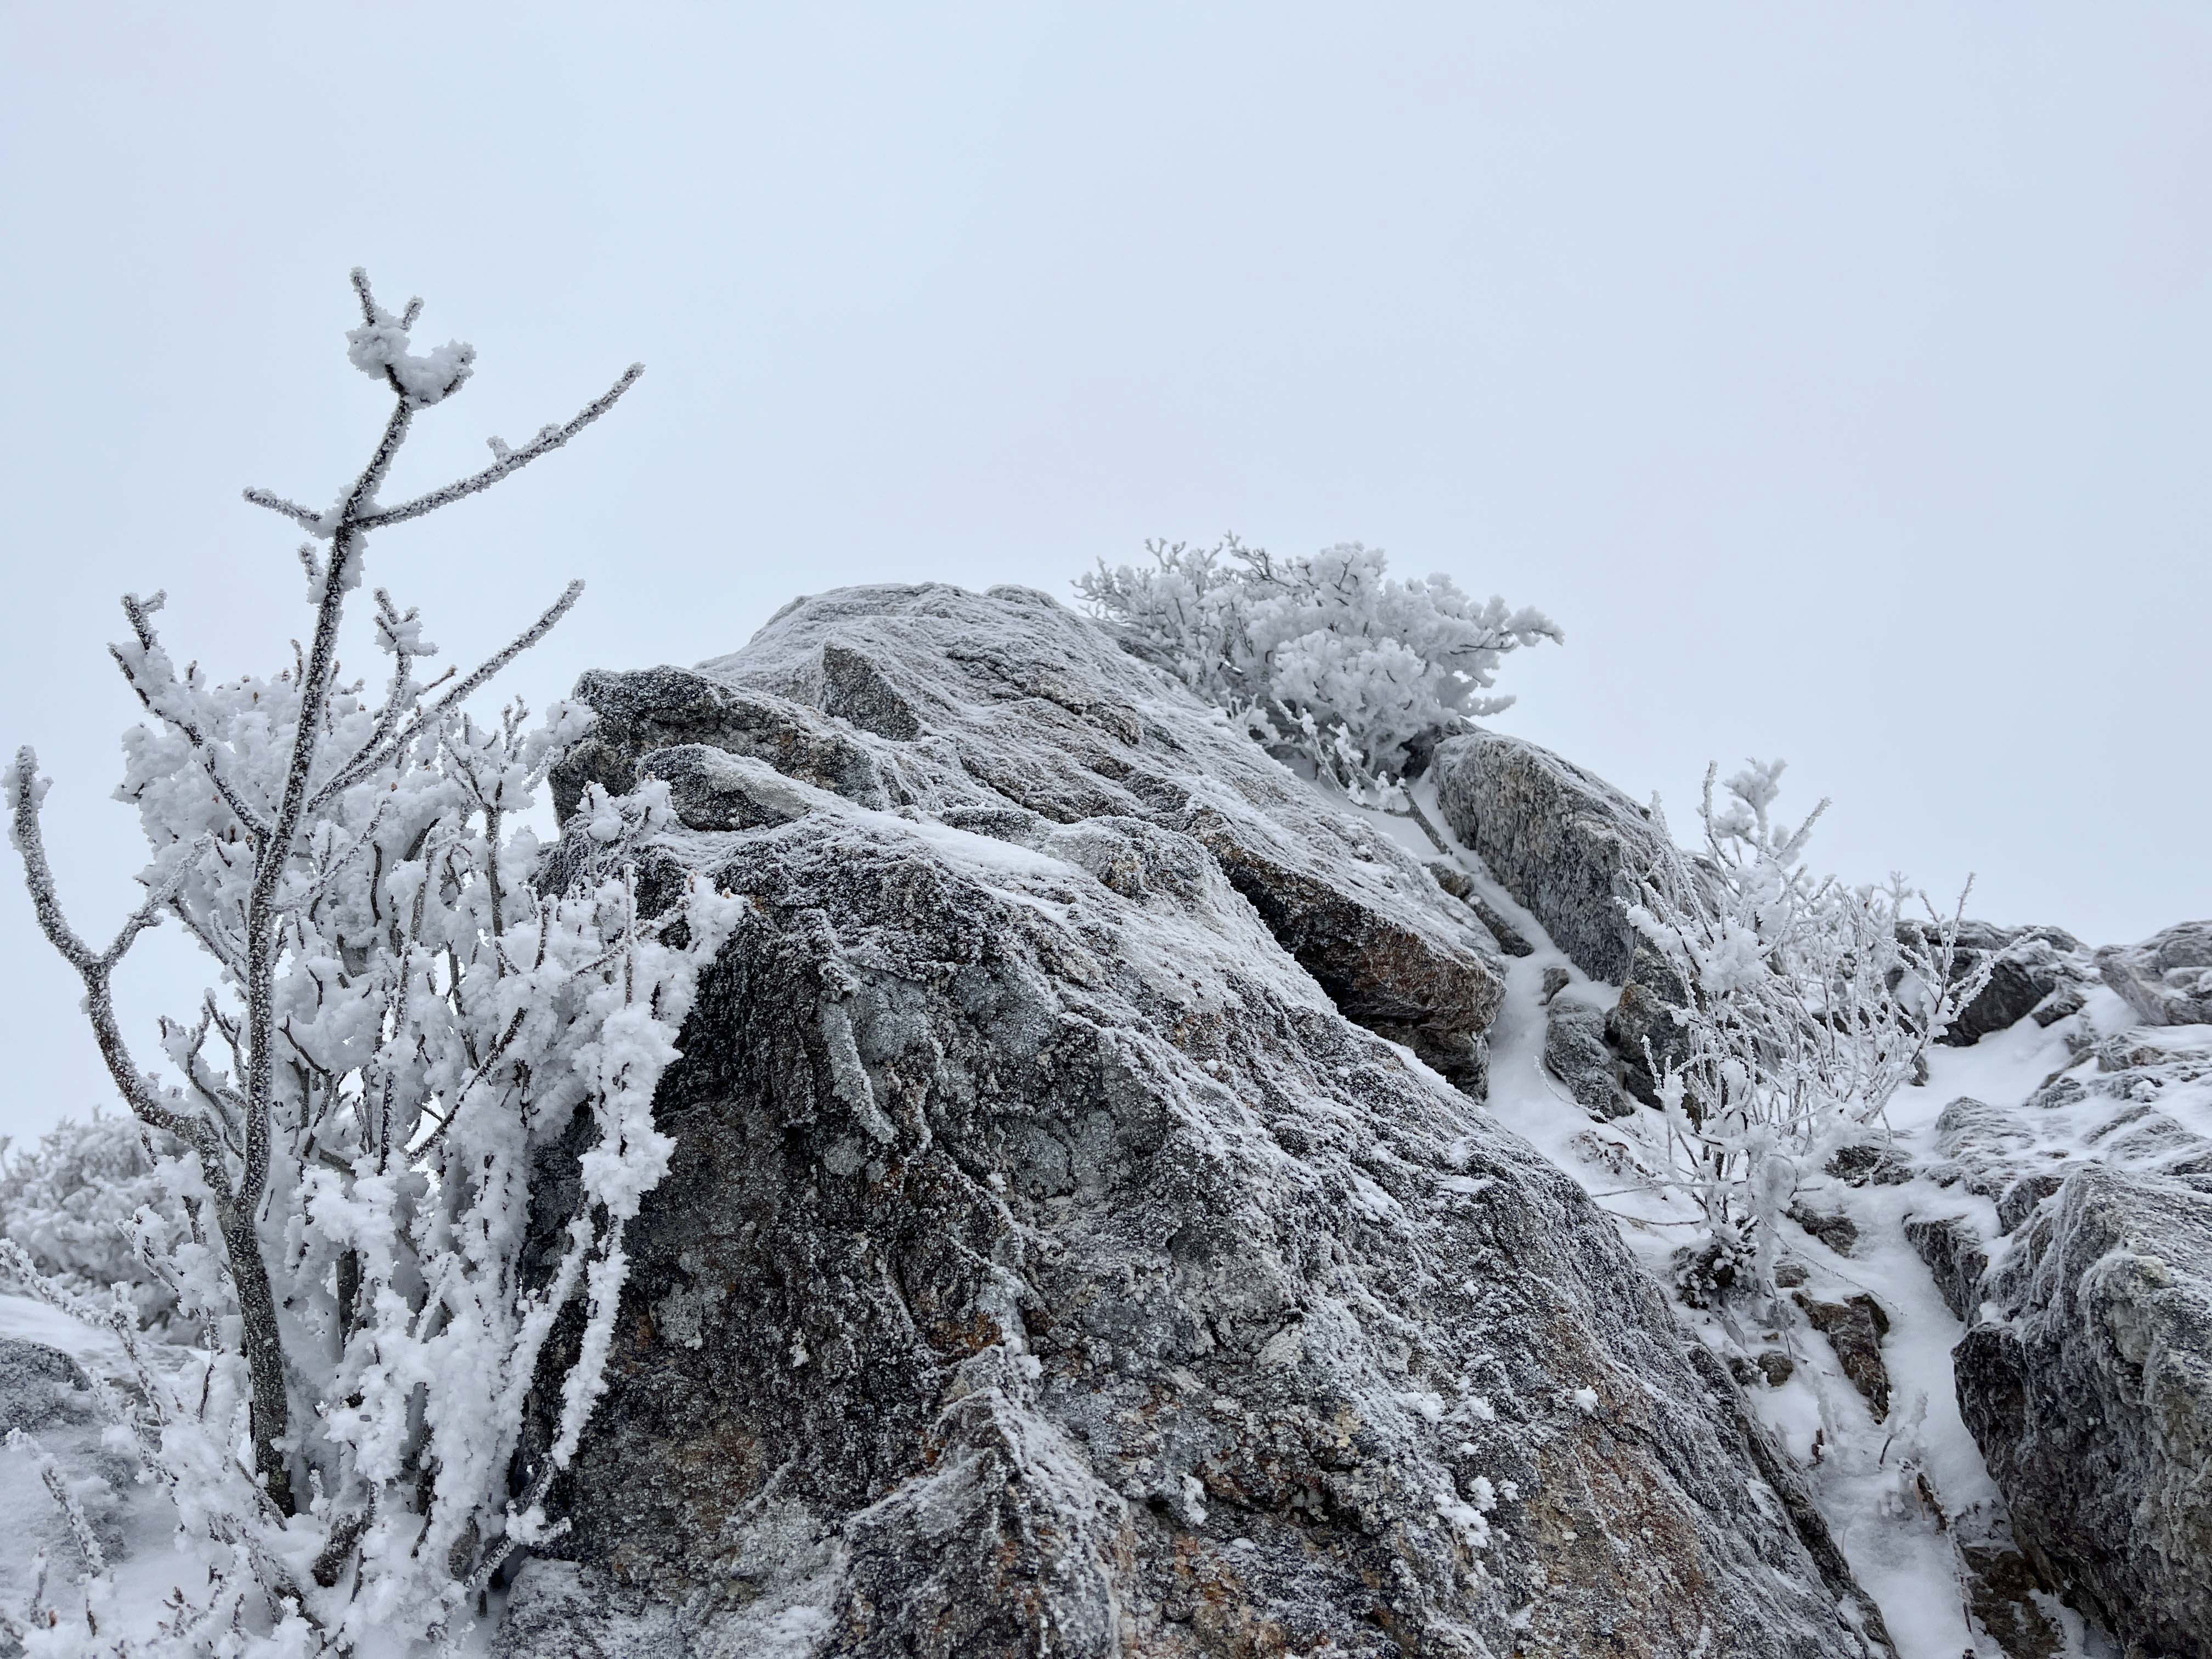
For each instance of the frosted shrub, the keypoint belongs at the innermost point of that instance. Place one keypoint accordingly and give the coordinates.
(1808, 1006)
(400, 1021)
(73, 1205)
(1323, 658)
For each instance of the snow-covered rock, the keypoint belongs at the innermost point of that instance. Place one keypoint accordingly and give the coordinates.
(2089, 1390)
(1007, 714)
(2166, 979)
(2038, 971)
(1048, 1262)
(1576, 1053)
(1560, 839)
(1565, 844)
(46, 1396)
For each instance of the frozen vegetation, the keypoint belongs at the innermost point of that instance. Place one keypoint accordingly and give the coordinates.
(997, 1131)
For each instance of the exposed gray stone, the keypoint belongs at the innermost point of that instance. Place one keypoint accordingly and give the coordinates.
(1457, 883)
(855, 689)
(1047, 1265)
(2090, 1394)
(1833, 1227)
(2001, 1594)
(41, 1388)
(2018, 1201)
(2033, 971)
(1567, 844)
(710, 788)
(1870, 1164)
(2062, 1004)
(553, 1613)
(2064, 1089)
(1575, 1052)
(1957, 1257)
(1560, 840)
(46, 1395)
(2166, 979)
(1642, 1027)
(1984, 1146)
(1025, 716)
(1855, 1328)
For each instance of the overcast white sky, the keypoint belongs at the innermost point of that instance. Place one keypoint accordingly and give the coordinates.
(1840, 377)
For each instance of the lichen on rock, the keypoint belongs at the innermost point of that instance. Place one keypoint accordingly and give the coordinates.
(1075, 1242)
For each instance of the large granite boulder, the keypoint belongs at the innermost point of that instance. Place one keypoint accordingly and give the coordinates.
(2166, 979)
(1007, 713)
(1576, 1053)
(1048, 1265)
(2041, 971)
(1567, 846)
(2089, 1390)
(1562, 840)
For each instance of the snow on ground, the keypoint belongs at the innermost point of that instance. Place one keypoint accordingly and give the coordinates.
(1899, 1493)
(133, 1524)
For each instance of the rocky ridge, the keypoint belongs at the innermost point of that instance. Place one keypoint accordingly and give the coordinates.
(1086, 1234)
(1076, 1242)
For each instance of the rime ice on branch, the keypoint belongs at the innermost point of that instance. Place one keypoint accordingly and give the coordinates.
(1806, 1006)
(399, 1018)
(1364, 672)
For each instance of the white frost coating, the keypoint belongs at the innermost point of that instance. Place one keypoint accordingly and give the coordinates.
(981, 854)
(1810, 1004)
(378, 350)
(1866, 1479)
(401, 1021)
(1357, 666)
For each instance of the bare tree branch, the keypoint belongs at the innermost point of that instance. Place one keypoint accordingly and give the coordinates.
(434, 715)
(510, 461)
(306, 516)
(96, 971)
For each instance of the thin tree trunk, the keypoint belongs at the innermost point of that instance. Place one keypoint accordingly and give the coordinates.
(264, 1349)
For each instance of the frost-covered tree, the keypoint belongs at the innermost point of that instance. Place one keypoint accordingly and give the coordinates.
(71, 1204)
(1324, 658)
(1807, 1006)
(399, 1018)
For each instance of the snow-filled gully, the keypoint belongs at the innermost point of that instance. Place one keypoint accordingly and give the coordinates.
(1902, 1493)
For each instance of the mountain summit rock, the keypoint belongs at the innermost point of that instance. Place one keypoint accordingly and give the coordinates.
(1083, 1234)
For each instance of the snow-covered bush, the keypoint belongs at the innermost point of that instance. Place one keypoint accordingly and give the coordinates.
(1323, 658)
(1808, 1006)
(400, 1019)
(72, 1204)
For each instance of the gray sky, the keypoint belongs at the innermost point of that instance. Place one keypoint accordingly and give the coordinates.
(1837, 376)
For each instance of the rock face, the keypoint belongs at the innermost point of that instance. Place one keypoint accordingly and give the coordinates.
(1575, 1052)
(1956, 1259)
(1007, 714)
(1855, 1329)
(1559, 838)
(2168, 979)
(1049, 1263)
(2090, 1394)
(2042, 971)
(1565, 844)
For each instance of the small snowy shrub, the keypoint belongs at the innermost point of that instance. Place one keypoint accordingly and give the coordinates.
(73, 1205)
(1808, 1007)
(400, 1021)
(1323, 658)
